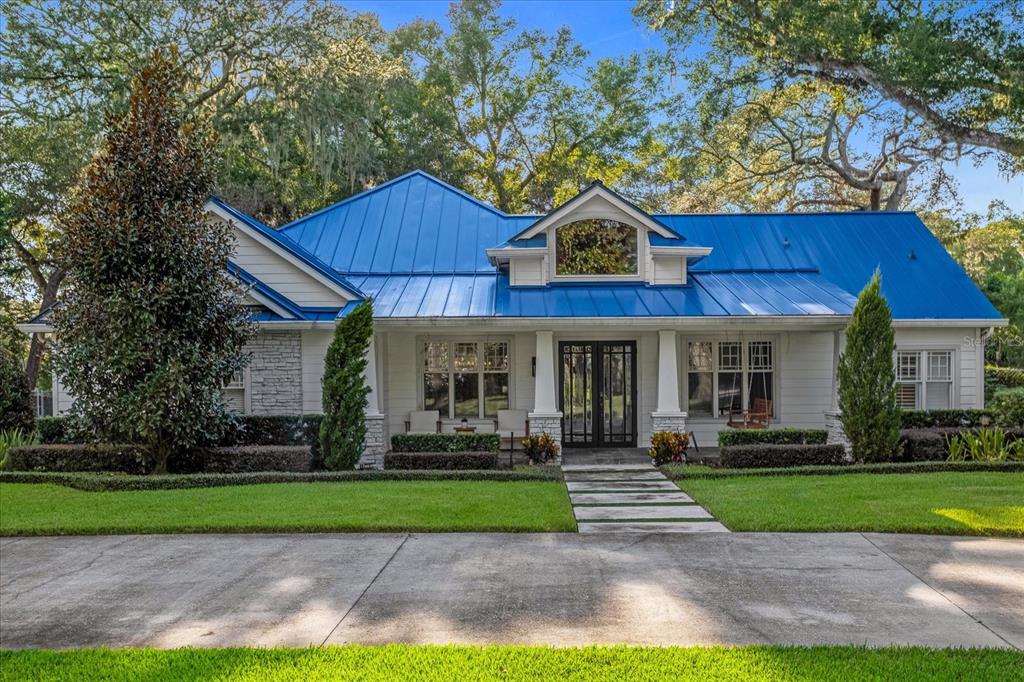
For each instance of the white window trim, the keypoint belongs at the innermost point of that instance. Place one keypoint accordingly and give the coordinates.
(641, 256)
(244, 387)
(684, 364)
(480, 371)
(922, 381)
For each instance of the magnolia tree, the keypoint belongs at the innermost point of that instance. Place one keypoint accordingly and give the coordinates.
(867, 381)
(150, 325)
(343, 429)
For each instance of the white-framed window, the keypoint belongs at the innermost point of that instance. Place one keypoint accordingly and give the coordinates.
(728, 375)
(924, 379)
(465, 379)
(235, 391)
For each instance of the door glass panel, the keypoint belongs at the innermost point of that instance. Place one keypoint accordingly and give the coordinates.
(597, 394)
(467, 396)
(577, 390)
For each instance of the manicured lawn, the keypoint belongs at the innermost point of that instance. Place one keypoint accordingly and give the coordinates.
(36, 509)
(400, 662)
(952, 503)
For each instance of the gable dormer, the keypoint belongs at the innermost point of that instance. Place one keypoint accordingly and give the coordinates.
(597, 236)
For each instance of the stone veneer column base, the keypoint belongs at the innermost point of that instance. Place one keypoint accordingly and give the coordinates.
(834, 426)
(551, 424)
(375, 445)
(668, 421)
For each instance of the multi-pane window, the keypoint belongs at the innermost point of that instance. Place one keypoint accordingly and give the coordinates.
(457, 373)
(723, 376)
(924, 379)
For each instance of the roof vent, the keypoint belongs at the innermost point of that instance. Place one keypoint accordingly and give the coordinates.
(913, 255)
(785, 242)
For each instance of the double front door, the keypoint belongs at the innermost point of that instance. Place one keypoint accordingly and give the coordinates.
(598, 380)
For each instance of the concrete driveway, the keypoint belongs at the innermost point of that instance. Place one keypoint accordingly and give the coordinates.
(561, 589)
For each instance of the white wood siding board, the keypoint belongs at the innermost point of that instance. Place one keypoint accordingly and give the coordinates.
(278, 273)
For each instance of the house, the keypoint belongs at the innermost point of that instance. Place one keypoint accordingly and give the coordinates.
(602, 322)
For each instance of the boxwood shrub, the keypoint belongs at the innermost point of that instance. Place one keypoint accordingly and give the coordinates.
(772, 436)
(446, 442)
(928, 419)
(250, 458)
(131, 459)
(932, 445)
(441, 460)
(769, 455)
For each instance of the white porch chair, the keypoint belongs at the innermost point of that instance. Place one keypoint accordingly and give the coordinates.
(512, 424)
(423, 421)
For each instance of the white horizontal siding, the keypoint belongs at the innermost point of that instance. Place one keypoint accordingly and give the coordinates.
(276, 272)
(969, 371)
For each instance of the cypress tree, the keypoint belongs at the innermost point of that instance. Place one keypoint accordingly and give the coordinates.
(343, 429)
(867, 380)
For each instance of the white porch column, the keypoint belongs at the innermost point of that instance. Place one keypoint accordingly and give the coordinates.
(668, 416)
(376, 443)
(545, 417)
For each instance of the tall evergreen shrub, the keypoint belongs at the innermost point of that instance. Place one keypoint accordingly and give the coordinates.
(867, 380)
(343, 429)
(15, 397)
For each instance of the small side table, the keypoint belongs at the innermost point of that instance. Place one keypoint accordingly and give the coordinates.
(465, 429)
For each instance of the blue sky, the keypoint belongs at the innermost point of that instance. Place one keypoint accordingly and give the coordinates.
(607, 29)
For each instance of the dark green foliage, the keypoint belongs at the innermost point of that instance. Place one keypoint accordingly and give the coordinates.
(343, 429)
(276, 430)
(131, 459)
(923, 419)
(253, 458)
(150, 324)
(765, 455)
(932, 444)
(15, 395)
(446, 442)
(1008, 406)
(96, 482)
(772, 436)
(441, 460)
(679, 472)
(56, 429)
(1003, 377)
(867, 381)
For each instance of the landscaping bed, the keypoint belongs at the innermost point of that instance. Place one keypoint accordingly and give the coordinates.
(365, 506)
(952, 502)
(402, 662)
(690, 471)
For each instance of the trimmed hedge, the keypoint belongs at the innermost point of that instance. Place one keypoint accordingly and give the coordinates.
(441, 460)
(766, 455)
(131, 459)
(95, 482)
(928, 419)
(54, 430)
(1005, 377)
(932, 445)
(772, 437)
(252, 458)
(446, 442)
(679, 472)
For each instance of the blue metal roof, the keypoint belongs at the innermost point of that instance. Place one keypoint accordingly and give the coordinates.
(716, 295)
(418, 246)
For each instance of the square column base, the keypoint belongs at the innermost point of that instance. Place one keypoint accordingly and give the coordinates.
(375, 444)
(551, 424)
(674, 422)
(836, 434)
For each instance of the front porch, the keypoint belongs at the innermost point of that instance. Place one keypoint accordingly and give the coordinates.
(601, 389)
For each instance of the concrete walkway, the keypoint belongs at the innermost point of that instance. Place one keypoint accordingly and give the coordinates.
(632, 498)
(555, 588)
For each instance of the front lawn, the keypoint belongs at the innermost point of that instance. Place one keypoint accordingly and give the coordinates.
(401, 662)
(37, 509)
(951, 503)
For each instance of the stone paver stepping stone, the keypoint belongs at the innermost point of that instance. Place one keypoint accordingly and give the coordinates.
(615, 486)
(631, 498)
(653, 527)
(681, 511)
(614, 476)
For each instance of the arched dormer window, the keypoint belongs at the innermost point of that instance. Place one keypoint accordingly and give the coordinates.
(596, 246)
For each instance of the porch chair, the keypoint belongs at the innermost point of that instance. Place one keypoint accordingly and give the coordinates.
(423, 421)
(757, 417)
(512, 424)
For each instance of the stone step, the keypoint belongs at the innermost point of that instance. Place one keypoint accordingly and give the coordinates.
(653, 527)
(677, 497)
(608, 467)
(621, 486)
(685, 511)
(614, 476)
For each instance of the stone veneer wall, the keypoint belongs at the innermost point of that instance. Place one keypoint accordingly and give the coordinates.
(275, 373)
(836, 434)
(375, 445)
(675, 423)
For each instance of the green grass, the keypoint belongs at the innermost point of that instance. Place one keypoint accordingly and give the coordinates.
(952, 503)
(402, 662)
(36, 509)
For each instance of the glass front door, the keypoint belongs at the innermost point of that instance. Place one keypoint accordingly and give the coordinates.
(598, 393)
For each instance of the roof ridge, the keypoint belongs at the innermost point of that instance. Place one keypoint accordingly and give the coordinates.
(394, 181)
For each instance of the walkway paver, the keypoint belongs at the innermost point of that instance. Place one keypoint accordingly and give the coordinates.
(632, 498)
